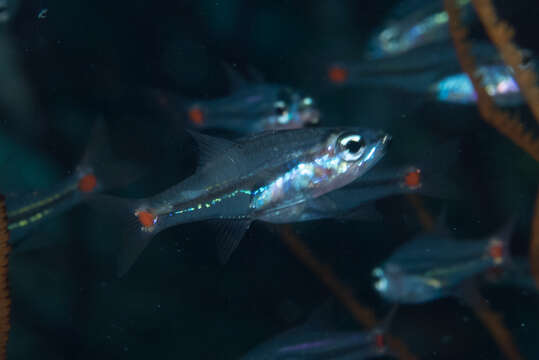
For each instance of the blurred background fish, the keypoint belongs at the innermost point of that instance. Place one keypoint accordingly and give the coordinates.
(251, 107)
(434, 266)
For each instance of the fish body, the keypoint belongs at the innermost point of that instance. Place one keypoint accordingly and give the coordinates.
(433, 266)
(319, 338)
(304, 344)
(255, 108)
(497, 80)
(410, 25)
(95, 174)
(255, 177)
(434, 72)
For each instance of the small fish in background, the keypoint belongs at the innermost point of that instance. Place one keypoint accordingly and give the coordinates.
(253, 178)
(251, 107)
(319, 338)
(435, 265)
(95, 173)
(434, 72)
(429, 176)
(497, 80)
(412, 24)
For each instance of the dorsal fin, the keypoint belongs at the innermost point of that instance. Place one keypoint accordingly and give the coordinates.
(255, 74)
(236, 81)
(440, 228)
(209, 147)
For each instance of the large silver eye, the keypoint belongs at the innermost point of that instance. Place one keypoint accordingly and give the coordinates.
(281, 111)
(350, 146)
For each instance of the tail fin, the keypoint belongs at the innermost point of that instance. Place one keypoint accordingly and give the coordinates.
(137, 226)
(499, 244)
(380, 331)
(98, 171)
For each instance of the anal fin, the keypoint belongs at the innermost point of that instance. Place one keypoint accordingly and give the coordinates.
(230, 233)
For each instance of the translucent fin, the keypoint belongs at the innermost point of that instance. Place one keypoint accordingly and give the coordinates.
(503, 238)
(134, 238)
(209, 147)
(323, 318)
(441, 223)
(236, 81)
(255, 74)
(220, 160)
(98, 160)
(230, 233)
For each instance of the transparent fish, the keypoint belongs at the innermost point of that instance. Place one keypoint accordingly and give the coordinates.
(434, 266)
(319, 339)
(94, 174)
(252, 179)
(412, 24)
(434, 73)
(251, 107)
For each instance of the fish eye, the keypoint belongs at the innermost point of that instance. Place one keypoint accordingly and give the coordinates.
(280, 108)
(351, 146)
(307, 101)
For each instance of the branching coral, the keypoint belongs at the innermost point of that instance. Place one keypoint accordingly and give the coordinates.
(363, 315)
(5, 302)
(507, 124)
(501, 34)
(534, 247)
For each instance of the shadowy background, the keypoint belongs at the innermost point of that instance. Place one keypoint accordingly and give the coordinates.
(90, 59)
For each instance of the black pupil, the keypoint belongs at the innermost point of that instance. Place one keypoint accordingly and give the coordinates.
(353, 146)
(279, 110)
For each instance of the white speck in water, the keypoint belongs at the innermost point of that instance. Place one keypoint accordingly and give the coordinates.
(522, 325)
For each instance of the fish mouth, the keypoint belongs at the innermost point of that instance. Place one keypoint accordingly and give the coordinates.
(385, 139)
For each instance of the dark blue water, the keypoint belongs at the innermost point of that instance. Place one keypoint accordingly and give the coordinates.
(90, 59)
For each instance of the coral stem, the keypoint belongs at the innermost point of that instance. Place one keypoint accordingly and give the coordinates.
(5, 301)
(363, 315)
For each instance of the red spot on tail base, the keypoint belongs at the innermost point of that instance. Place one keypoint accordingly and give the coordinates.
(146, 218)
(412, 179)
(338, 74)
(87, 183)
(196, 116)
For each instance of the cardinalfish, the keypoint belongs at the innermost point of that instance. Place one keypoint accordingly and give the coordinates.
(319, 339)
(412, 24)
(255, 178)
(90, 177)
(252, 107)
(434, 72)
(435, 265)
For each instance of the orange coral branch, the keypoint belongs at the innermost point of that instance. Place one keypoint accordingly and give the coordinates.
(534, 244)
(425, 218)
(363, 315)
(494, 324)
(506, 124)
(5, 302)
(510, 127)
(501, 34)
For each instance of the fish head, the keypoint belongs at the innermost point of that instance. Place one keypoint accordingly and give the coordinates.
(293, 110)
(396, 286)
(388, 41)
(349, 153)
